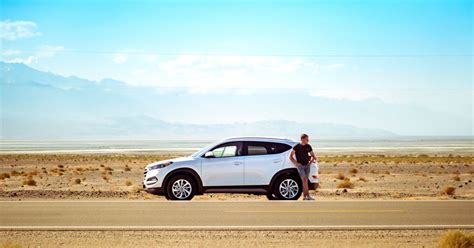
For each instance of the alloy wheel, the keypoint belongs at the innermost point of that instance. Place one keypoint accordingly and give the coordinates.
(288, 188)
(181, 189)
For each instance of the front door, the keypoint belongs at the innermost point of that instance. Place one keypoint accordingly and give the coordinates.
(226, 167)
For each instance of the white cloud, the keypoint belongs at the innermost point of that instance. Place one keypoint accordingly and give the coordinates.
(151, 58)
(14, 30)
(47, 51)
(138, 71)
(10, 52)
(352, 95)
(120, 58)
(333, 66)
(26, 61)
(210, 74)
(188, 63)
(18, 56)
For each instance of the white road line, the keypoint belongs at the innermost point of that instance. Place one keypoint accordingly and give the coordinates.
(221, 201)
(236, 228)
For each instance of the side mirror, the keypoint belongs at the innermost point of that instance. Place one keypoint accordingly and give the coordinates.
(209, 154)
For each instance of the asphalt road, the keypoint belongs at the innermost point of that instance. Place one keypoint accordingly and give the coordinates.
(148, 215)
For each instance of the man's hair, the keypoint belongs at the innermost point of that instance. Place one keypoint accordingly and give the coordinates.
(303, 136)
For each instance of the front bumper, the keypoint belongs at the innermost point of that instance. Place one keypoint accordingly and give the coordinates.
(152, 179)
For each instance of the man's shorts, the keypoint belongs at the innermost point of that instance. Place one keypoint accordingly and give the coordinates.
(303, 170)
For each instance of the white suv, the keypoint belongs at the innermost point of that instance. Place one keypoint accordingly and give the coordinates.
(238, 165)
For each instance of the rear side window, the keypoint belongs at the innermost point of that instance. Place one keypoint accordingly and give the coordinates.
(276, 148)
(262, 148)
(257, 150)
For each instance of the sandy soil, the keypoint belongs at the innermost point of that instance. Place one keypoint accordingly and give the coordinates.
(118, 176)
(383, 238)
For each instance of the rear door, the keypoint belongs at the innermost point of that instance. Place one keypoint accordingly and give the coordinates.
(262, 161)
(226, 168)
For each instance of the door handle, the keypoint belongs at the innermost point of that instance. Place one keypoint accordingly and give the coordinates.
(237, 163)
(277, 161)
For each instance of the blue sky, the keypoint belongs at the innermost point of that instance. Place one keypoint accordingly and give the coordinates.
(389, 55)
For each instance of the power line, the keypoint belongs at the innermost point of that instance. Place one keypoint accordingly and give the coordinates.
(408, 55)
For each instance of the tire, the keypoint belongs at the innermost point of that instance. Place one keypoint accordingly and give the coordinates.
(287, 187)
(180, 188)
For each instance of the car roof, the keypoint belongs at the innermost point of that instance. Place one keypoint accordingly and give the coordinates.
(263, 139)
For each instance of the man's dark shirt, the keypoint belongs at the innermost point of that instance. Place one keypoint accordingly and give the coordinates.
(302, 153)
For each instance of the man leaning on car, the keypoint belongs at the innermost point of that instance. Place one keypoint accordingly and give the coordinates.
(304, 157)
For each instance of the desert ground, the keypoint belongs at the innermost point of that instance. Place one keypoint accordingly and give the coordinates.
(381, 238)
(343, 176)
(351, 176)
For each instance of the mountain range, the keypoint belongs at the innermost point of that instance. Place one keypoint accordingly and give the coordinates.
(44, 105)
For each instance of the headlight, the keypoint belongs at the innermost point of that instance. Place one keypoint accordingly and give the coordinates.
(159, 166)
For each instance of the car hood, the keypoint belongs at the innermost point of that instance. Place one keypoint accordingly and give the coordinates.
(174, 160)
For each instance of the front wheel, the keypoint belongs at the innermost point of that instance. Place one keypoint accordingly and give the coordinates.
(287, 187)
(181, 188)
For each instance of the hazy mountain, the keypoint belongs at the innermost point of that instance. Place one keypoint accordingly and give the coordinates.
(43, 105)
(149, 128)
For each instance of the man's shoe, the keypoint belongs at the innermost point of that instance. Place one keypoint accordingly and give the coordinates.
(305, 198)
(309, 198)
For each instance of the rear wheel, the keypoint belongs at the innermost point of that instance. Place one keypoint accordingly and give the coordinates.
(180, 188)
(287, 187)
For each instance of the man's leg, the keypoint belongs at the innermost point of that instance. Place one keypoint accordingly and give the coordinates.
(305, 186)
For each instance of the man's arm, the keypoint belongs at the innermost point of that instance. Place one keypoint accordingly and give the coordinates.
(313, 157)
(292, 158)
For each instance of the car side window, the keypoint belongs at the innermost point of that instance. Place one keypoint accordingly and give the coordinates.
(256, 150)
(226, 151)
(231, 149)
(276, 148)
(262, 148)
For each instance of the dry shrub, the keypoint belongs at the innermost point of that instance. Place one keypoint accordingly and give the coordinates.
(77, 181)
(148, 196)
(362, 179)
(448, 190)
(15, 173)
(340, 176)
(353, 171)
(61, 166)
(4, 175)
(136, 189)
(127, 168)
(456, 178)
(345, 184)
(128, 183)
(29, 182)
(108, 169)
(30, 174)
(456, 239)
